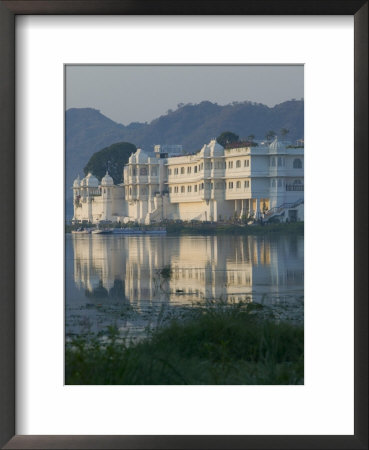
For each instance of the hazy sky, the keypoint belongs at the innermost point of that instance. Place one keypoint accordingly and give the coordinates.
(134, 93)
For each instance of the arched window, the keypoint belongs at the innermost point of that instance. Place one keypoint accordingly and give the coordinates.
(238, 163)
(297, 164)
(143, 171)
(279, 161)
(238, 184)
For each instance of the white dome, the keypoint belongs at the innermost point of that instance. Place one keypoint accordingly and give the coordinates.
(107, 180)
(77, 182)
(212, 149)
(141, 157)
(90, 181)
(276, 145)
(215, 148)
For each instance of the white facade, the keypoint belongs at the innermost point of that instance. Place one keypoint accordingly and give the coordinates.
(214, 184)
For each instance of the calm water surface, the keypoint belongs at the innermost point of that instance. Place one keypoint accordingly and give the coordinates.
(118, 280)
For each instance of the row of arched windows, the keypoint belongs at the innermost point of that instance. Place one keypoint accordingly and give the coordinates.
(280, 162)
(133, 191)
(209, 165)
(183, 170)
(280, 182)
(143, 171)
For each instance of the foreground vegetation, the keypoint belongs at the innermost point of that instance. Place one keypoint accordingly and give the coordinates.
(207, 345)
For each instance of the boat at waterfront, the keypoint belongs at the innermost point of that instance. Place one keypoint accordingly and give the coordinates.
(102, 231)
(82, 231)
(127, 231)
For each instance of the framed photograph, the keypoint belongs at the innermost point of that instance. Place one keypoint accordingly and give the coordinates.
(185, 226)
(195, 233)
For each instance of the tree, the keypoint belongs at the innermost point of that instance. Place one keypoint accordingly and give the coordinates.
(284, 132)
(112, 159)
(227, 137)
(270, 135)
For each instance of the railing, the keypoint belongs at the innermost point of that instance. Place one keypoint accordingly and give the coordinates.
(279, 209)
(294, 187)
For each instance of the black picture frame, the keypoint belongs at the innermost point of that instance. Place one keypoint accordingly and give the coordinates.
(8, 11)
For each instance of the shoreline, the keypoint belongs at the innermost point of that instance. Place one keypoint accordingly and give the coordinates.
(184, 228)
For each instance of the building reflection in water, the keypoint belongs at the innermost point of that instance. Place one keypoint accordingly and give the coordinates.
(231, 268)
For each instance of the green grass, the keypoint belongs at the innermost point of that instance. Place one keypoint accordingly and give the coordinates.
(211, 345)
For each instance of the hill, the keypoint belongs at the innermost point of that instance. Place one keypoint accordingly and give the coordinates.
(88, 131)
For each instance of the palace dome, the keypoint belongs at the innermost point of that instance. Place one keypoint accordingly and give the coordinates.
(215, 148)
(107, 180)
(141, 157)
(276, 145)
(90, 181)
(77, 182)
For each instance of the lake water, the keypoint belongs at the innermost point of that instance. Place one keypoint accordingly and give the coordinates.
(119, 280)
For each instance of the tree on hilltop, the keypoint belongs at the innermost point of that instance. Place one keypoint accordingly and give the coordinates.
(270, 135)
(227, 137)
(112, 159)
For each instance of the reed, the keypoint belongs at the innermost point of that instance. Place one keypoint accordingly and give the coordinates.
(209, 345)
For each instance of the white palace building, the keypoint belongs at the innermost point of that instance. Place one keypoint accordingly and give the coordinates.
(214, 184)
